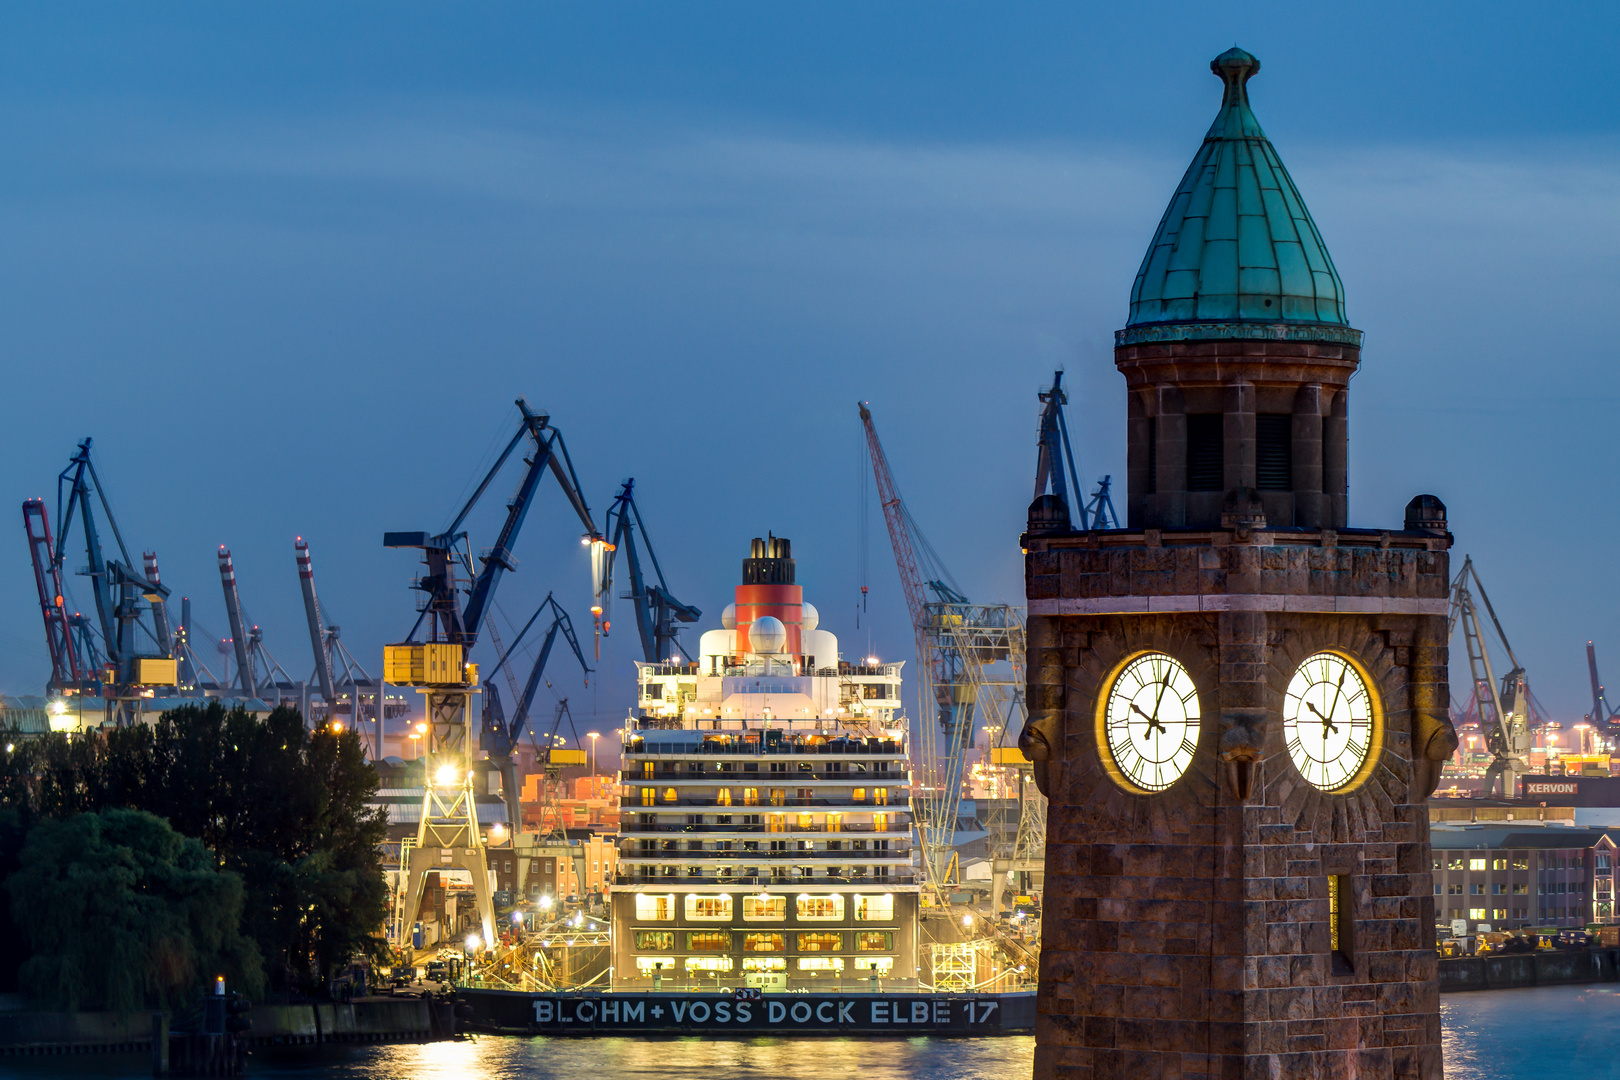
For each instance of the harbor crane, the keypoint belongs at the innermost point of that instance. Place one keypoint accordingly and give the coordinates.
(956, 641)
(127, 651)
(499, 736)
(1054, 465)
(247, 640)
(1602, 716)
(657, 610)
(337, 673)
(1503, 707)
(455, 600)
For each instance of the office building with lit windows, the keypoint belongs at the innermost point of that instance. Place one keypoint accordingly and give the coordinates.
(1513, 876)
(765, 837)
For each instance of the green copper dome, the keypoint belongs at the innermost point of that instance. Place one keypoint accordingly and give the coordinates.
(1237, 254)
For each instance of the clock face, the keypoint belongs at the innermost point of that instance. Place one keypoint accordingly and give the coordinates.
(1150, 724)
(1328, 721)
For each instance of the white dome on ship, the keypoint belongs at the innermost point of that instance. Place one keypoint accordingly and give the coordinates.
(810, 619)
(728, 617)
(767, 635)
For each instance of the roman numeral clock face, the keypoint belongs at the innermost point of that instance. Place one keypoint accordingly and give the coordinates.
(1330, 722)
(1150, 722)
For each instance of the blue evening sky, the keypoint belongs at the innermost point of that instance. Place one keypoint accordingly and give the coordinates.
(289, 264)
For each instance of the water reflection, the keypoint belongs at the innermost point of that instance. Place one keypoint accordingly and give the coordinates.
(1544, 1034)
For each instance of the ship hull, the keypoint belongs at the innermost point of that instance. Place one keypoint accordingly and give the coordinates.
(793, 1014)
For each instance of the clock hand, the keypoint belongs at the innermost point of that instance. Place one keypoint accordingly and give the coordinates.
(1327, 724)
(1153, 721)
(1338, 692)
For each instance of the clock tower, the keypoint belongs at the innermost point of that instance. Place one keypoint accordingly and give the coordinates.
(1238, 703)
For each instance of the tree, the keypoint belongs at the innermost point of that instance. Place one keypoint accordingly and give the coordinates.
(285, 808)
(122, 912)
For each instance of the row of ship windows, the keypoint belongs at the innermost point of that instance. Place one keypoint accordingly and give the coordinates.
(650, 846)
(778, 822)
(750, 796)
(779, 871)
(698, 768)
(652, 965)
(1519, 860)
(725, 941)
(867, 907)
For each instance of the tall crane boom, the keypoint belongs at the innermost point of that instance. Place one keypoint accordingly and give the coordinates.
(312, 613)
(1056, 453)
(894, 516)
(65, 673)
(233, 612)
(499, 736)
(1504, 709)
(656, 608)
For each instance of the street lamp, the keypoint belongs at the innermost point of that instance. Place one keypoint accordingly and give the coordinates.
(593, 736)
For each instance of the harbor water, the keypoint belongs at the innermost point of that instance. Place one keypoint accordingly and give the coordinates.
(1540, 1034)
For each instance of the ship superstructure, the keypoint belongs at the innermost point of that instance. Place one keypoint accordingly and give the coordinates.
(765, 831)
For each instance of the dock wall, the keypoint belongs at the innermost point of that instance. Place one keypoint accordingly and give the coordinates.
(367, 1020)
(1505, 971)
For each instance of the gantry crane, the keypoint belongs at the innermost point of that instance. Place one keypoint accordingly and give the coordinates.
(656, 608)
(456, 599)
(501, 736)
(956, 641)
(1503, 708)
(129, 642)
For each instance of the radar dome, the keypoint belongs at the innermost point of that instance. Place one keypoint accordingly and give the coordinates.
(767, 635)
(810, 619)
(728, 617)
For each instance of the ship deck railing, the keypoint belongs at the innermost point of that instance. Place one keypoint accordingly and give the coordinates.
(782, 880)
(895, 828)
(739, 745)
(630, 775)
(711, 854)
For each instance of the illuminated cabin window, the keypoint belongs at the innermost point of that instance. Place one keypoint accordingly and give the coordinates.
(821, 963)
(835, 822)
(649, 964)
(807, 821)
(655, 940)
(764, 943)
(1340, 924)
(723, 797)
(670, 794)
(880, 822)
(857, 794)
(870, 908)
(764, 908)
(708, 963)
(778, 822)
(1476, 913)
(820, 907)
(778, 796)
(874, 941)
(821, 941)
(764, 963)
(1476, 864)
(649, 796)
(708, 907)
(880, 964)
(750, 796)
(649, 906)
(708, 941)
(647, 769)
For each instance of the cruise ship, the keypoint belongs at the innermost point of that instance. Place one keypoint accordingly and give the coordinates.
(765, 833)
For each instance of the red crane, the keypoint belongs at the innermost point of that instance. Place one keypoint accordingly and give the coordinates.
(65, 673)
